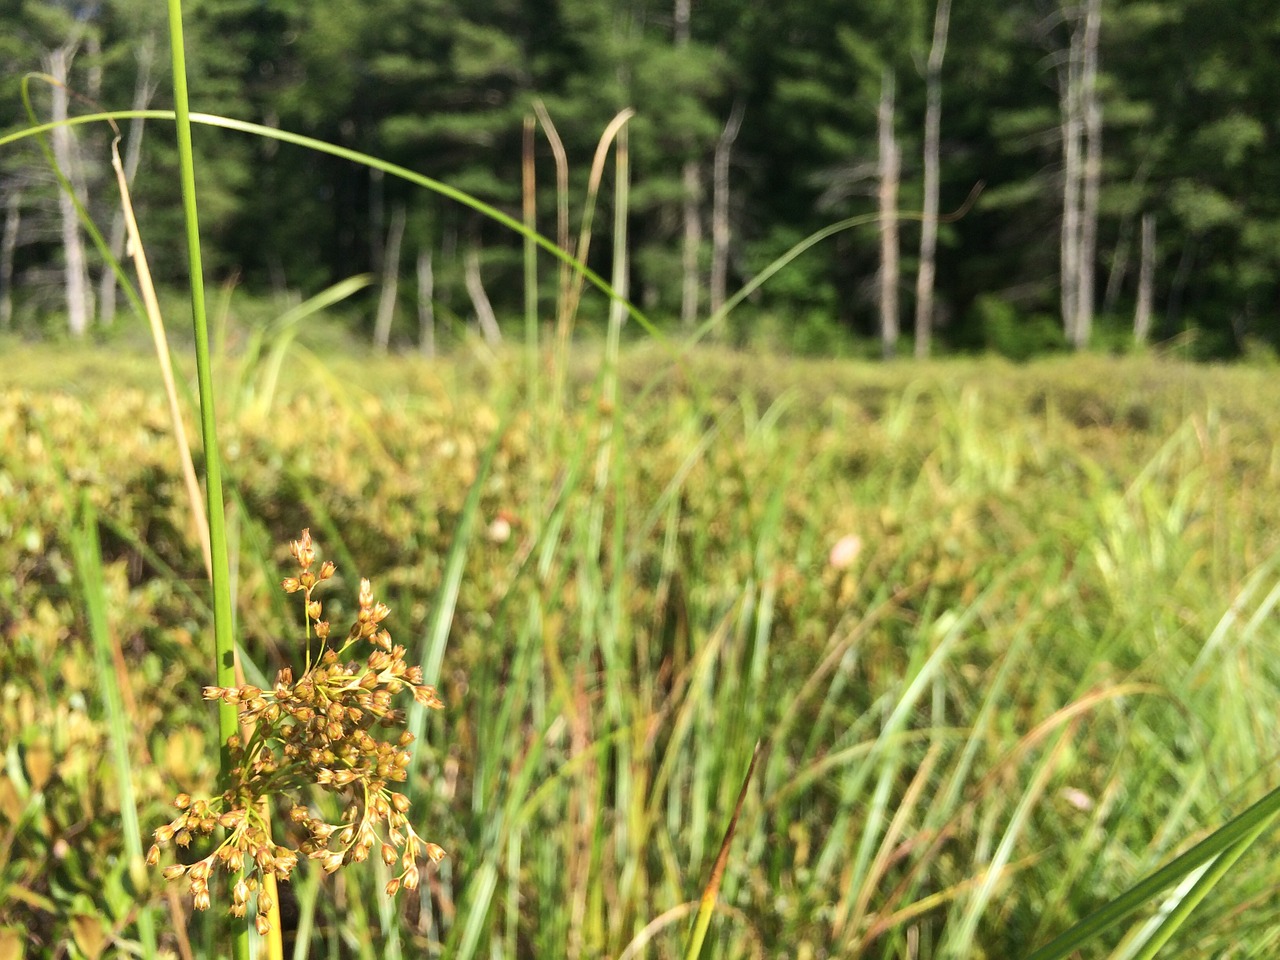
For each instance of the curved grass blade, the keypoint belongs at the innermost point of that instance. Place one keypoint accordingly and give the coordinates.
(1225, 838)
(364, 159)
(708, 903)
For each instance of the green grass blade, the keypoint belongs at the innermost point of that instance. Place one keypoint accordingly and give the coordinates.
(707, 904)
(1206, 882)
(224, 644)
(88, 562)
(434, 641)
(1225, 838)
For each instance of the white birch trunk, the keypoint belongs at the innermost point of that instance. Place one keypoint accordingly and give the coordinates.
(1072, 128)
(1091, 175)
(1146, 281)
(8, 248)
(932, 147)
(890, 162)
(720, 232)
(76, 276)
(485, 316)
(691, 182)
(426, 304)
(390, 280)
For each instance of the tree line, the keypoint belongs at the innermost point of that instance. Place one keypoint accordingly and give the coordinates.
(1034, 175)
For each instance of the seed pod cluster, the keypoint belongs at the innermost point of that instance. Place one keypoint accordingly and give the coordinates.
(331, 728)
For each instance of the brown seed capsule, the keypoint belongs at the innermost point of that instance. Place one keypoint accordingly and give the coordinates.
(393, 887)
(435, 853)
(388, 854)
(263, 925)
(290, 585)
(427, 697)
(174, 871)
(331, 861)
(201, 900)
(322, 629)
(327, 569)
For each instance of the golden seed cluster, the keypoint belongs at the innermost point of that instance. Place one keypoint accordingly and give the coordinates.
(318, 730)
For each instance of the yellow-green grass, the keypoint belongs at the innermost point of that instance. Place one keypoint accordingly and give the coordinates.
(1050, 668)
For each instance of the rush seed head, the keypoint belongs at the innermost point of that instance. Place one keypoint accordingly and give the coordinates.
(318, 730)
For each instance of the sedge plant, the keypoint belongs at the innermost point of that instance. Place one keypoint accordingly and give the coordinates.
(316, 730)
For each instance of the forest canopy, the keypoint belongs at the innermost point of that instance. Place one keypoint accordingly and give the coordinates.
(1123, 153)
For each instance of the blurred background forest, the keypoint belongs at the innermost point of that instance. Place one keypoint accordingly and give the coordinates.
(1126, 152)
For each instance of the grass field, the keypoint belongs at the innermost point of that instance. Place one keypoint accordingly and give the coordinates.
(1042, 661)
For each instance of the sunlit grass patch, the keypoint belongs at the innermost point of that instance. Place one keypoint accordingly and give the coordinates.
(1046, 669)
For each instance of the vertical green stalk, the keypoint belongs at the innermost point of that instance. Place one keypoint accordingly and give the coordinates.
(88, 561)
(224, 649)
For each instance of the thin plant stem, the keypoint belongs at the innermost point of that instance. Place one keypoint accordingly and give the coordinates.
(224, 647)
(707, 904)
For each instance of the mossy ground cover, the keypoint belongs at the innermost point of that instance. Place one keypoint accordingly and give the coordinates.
(1049, 666)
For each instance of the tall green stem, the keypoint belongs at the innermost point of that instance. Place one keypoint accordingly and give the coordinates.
(223, 643)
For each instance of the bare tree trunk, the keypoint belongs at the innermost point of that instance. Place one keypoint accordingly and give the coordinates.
(485, 316)
(58, 64)
(1072, 128)
(890, 165)
(720, 234)
(143, 91)
(377, 218)
(1178, 286)
(93, 76)
(8, 247)
(932, 147)
(449, 264)
(691, 181)
(390, 280)
(1091, 111)
(1146, 281)
(426, 304)
(1119, 265)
